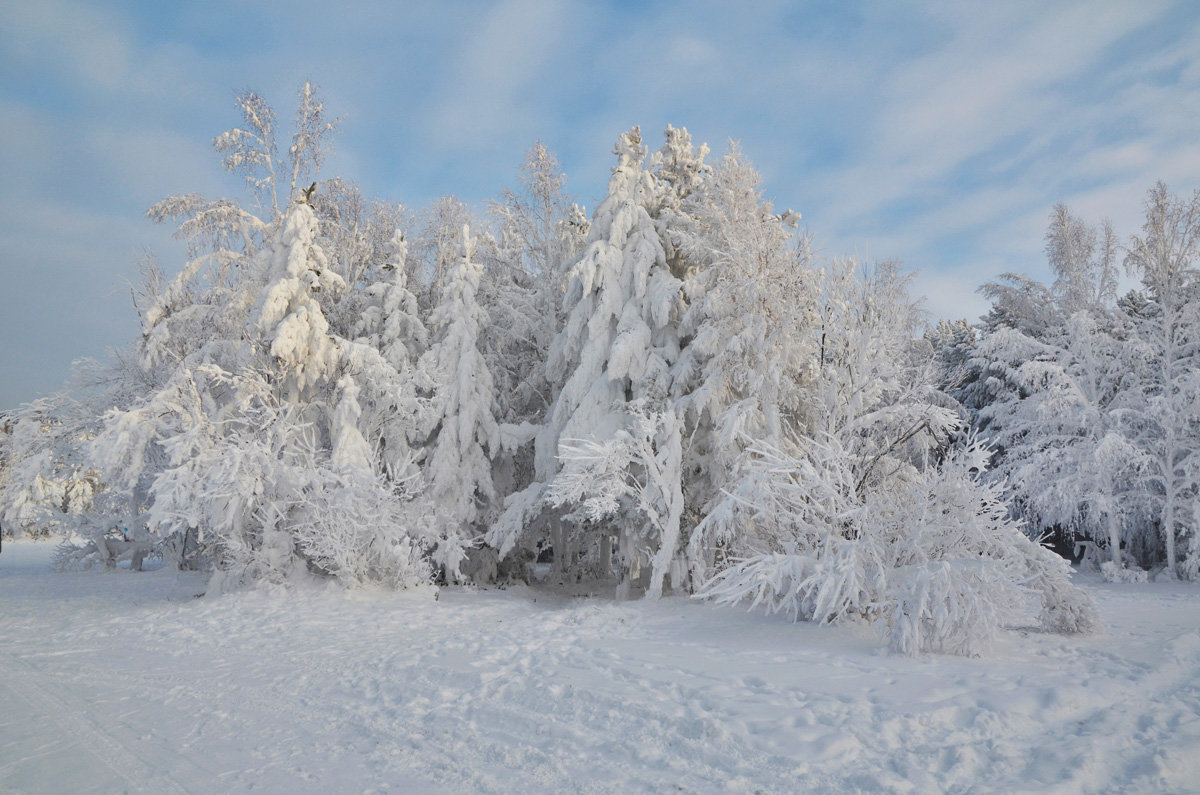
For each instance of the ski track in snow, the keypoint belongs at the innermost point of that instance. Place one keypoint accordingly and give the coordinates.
(119, 682)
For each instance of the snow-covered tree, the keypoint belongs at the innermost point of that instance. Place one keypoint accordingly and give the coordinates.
(616, 348)
(868, 507)
(391, 321)
(357, 236)
(748, 351)
(53, 484)
(1066, 456)
(312, 140)
(539, 233)
(288, 314)
(264, 424)
(436, 245)
(634, 471)
(393, 331)
(875, 386)
(953, 343)
(6, 467)
(47, 480)
(933, 557)
(1083, 260)
(251, 150)
(680, 175)
(465, 435)
(1049, 387)
(1167, 258)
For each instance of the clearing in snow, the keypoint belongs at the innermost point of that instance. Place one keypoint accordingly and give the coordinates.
(117, 681)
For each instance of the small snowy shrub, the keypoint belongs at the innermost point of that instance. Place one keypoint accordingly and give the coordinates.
(1115, 573)
(932, 555)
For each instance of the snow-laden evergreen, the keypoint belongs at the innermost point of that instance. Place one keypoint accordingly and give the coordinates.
(393, 339)
(465, 435)
(615, 350)
(748, 352)
(288, 313)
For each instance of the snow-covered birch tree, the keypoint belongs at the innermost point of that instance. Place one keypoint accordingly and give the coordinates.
(1167, 258)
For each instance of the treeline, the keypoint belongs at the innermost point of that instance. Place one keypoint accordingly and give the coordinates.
(1092, 396)
(673, 394)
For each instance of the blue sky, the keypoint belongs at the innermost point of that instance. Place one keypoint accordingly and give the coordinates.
(938, 134)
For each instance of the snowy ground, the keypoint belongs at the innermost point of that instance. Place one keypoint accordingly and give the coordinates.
(114, 682)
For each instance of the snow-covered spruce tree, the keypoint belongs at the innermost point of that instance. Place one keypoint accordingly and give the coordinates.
(391, 326)
(1167, 415)
(615, 350)
(680, 175)
(287, 315)
(465, 435)
(391, 321)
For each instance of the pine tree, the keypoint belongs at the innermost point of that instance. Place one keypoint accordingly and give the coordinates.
(465, 436)
(615, 351)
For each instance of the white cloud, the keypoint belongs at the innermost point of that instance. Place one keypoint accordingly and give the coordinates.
(940, 135)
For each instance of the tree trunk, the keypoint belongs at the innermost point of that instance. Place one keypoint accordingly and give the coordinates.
(1114, 539)
(1169, 525)
(604, 565)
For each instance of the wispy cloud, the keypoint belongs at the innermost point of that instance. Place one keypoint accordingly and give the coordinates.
(940, 134)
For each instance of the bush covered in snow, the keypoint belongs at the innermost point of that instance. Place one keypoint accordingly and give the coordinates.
(933, 556)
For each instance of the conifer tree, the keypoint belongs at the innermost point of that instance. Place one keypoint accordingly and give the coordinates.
(465, 436)
(615, 350)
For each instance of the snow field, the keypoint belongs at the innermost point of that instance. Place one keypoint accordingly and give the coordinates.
(126, 682)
